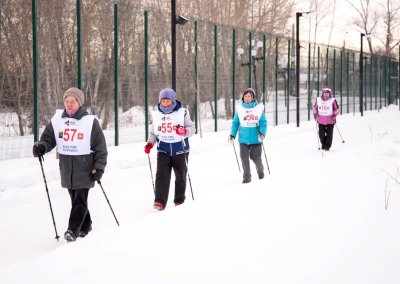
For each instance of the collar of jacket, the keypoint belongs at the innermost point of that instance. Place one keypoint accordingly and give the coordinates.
(250, 104)
(165, 111)
(81, 112)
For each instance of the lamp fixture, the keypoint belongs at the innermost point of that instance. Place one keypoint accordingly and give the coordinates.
(181, 20)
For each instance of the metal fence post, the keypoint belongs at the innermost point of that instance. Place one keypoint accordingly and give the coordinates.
(116, 100)
(35, 74)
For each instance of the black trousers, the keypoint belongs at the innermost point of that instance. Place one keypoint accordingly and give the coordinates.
(79, 218)
(326, 135)
(251, 152)
(165, 164)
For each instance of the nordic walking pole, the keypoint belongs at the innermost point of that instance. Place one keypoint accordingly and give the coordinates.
(187, 168)
(265, 155)
(151, 172)
(48, 197)
(337, 128)
(316, 126)
(99, 182)
(234, 149)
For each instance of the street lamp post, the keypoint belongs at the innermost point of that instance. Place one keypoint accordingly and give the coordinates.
(298, 15)
(173, 45)
(361, 74)
(180, 20)
(252, 59)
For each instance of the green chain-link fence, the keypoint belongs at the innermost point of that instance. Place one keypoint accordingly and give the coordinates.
(215, 63)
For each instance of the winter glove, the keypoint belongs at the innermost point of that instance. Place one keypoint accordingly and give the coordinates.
(180, 130)
(148, 147)
(231, 139)
(334, 119)
(97, 174)
(315, 116)
(260, 138)
(38, 149)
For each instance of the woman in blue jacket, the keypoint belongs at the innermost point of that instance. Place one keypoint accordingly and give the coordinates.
(251, 123)
(170, 130)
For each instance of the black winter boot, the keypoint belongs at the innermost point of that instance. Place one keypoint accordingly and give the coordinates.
(70, 236)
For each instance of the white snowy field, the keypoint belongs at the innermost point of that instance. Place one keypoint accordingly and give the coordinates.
(332, 219)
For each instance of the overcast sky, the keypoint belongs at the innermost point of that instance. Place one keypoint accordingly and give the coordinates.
(341, 14)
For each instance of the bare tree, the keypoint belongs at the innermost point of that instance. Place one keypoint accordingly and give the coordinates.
(366, 19)
(15, 56)
(391, 20)
(57, 36)
(314, 23)
(262, 17)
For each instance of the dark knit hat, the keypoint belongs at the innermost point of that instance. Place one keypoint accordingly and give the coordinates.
(168, 94)
(76, 93)
(251, 91)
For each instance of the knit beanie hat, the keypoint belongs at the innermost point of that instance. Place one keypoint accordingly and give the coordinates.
(76, 93)
(168, 94)
(251, 91)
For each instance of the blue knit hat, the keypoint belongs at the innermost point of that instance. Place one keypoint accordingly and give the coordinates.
(168, 94)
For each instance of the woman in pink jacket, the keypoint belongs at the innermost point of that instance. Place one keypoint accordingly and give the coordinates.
(325, 111)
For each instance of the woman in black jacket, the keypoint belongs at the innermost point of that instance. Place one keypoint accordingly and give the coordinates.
(82, 152)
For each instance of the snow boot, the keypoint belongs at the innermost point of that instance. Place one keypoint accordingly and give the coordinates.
(70, 236)
(158, 206)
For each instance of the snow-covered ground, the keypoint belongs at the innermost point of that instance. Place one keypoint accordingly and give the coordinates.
(332, 219)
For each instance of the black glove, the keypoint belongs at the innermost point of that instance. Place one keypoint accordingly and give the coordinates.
(97, 174)
(38, 149)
